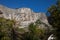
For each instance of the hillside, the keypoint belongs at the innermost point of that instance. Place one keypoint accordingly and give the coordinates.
(23, 16)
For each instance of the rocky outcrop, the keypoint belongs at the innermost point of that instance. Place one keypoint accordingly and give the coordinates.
(23, 16)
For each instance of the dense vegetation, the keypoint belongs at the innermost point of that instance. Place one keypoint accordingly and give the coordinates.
(5, 29)
(8, 31)
(54, 19)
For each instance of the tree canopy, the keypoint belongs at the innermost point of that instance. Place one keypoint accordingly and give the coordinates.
(54, 19)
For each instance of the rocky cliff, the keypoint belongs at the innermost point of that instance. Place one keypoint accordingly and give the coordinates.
(23, 16)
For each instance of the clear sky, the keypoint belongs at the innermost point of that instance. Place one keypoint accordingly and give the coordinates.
(35, 5)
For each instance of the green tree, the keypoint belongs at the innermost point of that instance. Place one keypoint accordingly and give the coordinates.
(54, 19)
(34, 32)
(7, 30)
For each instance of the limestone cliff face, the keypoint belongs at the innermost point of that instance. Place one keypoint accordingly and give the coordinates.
(23, 16)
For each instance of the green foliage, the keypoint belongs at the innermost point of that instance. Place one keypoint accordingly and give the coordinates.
(54, 19)
(7, 30)
(34, 32)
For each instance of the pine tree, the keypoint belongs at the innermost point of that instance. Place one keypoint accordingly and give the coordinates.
(54, 19)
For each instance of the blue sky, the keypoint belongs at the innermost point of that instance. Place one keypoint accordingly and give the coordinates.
(35, 5)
